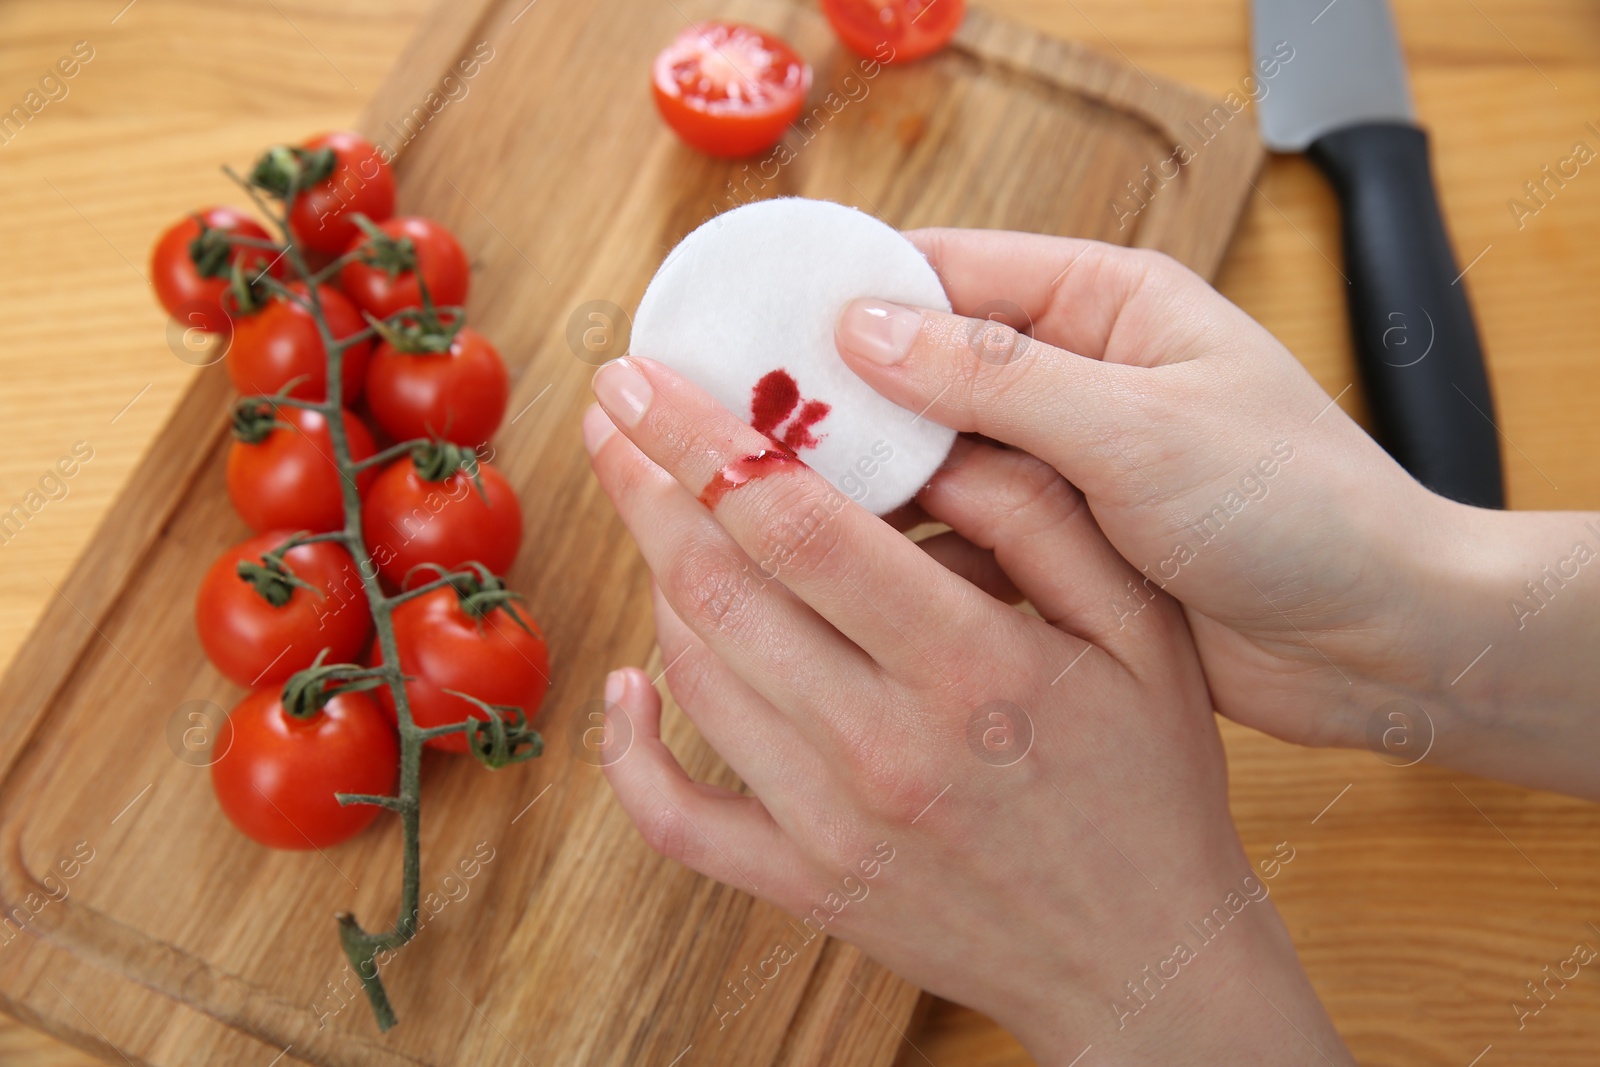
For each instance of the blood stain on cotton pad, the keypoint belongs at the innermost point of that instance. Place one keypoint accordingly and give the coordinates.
(745, 308)
(773, 402)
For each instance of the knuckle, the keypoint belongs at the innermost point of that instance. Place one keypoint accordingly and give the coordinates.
(887, 773)
(694, 679)
(993, 341)
(1156, 270)
(673, 437)
(1187, 420)
(796, 532)
(989, 364)
(709, 586)
(884, 786)
(668, 834)
(1037, 496)
(837, 841)
(625, 471)
(832, 839)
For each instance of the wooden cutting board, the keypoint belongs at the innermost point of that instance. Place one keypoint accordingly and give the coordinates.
(176, 941)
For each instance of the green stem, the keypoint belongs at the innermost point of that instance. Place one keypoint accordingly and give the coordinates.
(393, 452)
(421, 590)
(444, 731)
(284, 401)
(303, 538)
(377, 800)
(360, 947)
(309, 302)
(264, 243)
(332, 269)
(363, 334)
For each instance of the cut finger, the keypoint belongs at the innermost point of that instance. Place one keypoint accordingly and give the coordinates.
(877, 588)
(751, 621)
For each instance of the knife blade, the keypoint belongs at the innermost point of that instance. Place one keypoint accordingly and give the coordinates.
(1342, 98)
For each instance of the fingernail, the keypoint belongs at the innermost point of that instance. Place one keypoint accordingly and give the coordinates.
(622, 391)
(616, 683)
(877, 330)
(597, 428)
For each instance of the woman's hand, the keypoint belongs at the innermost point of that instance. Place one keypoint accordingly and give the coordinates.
(1028, 817)
(1333, 599)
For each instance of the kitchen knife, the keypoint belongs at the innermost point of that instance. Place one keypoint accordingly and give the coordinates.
(1341, 97)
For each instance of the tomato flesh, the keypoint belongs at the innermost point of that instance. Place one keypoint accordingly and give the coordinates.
(895, 31)
(729, 90)
(277, 775)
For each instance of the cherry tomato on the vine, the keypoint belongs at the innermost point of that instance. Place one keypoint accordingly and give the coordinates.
(277, 776)
(895, 31)
(288, 479)
(192, 262)
(320, 217)
(280, 342)
(261, 627)
(459, 395)
(409, 520)
(728, 89)
(389, 284)
(447, 644)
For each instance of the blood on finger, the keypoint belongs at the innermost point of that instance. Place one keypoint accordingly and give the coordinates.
(746, 469)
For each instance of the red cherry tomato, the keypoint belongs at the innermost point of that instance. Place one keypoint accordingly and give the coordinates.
(459, 395)
(281, 342)
(190, 272)
(438, 257)
(320, 216)
(259, 632)
(409, 521)
(729, 90)
(910, 28)
(277, 775)
(288, 481)
(443, 647)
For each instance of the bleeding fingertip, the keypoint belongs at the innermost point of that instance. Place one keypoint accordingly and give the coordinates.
(877, 330)
(597, 428)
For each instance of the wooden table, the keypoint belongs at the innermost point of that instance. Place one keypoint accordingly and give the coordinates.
(1507, 86)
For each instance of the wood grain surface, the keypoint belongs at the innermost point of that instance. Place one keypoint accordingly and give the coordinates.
(583, 946)
(1421, 901)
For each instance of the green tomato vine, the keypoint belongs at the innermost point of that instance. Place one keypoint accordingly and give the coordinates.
(504, 736)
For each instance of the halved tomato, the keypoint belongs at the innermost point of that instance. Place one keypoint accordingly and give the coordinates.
(895, 31)
(728, 89)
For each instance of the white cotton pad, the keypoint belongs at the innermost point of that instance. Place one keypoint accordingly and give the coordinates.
(753, 295)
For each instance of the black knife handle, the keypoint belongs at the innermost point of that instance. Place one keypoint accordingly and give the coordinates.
(1415, 340)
